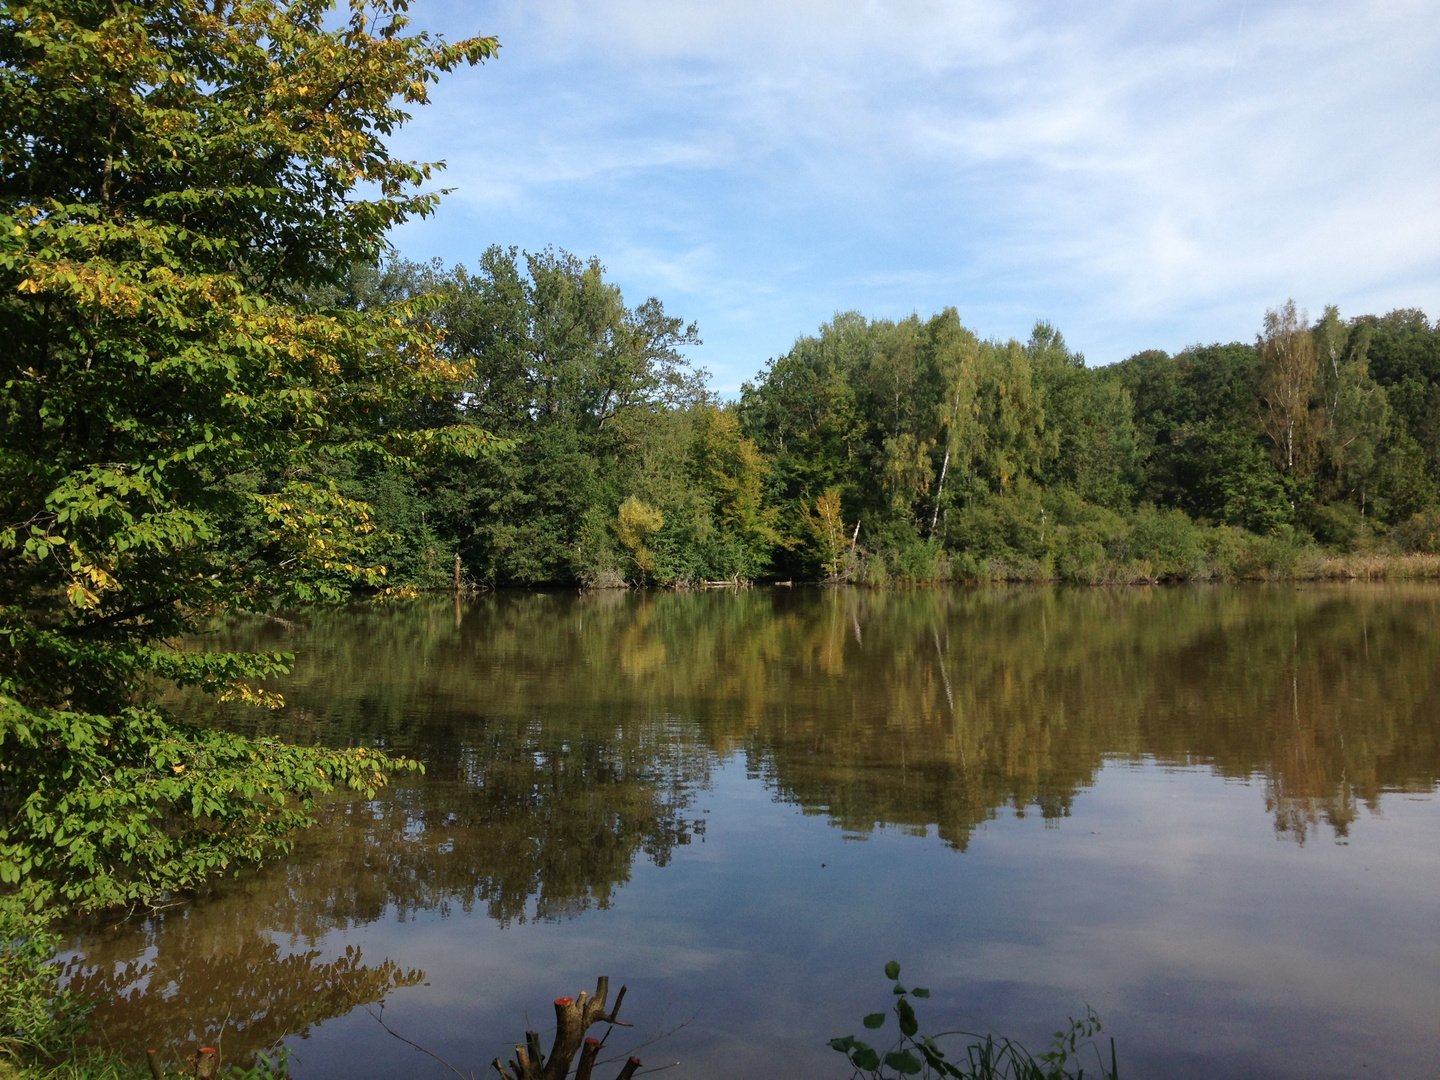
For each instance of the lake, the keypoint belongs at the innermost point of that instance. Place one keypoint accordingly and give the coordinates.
(1208, 813)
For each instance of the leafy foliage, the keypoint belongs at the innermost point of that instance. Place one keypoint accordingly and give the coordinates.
(914, 1054)
(955, 457)
(609, 417)
(179, 186)
(34, 1013)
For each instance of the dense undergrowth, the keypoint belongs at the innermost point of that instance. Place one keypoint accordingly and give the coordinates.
(1060, 539)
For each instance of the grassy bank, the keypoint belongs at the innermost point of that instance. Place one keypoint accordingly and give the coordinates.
(1306, 565)
(85, 1065)
(1065, 541)
(88, 1063)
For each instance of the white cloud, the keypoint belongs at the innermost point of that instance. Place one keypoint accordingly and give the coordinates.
(1140, 174)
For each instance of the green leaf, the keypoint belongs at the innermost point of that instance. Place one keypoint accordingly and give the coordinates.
(892, 970)
(908, 1024)
(875, 1020)
(865, 1058)
(920, 992)
(904, 1062)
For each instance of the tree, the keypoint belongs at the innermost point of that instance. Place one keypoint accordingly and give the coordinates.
(1354, 423)
(1091, 445)
(179, 181)
(726, 468)
(956, 353)
(587, 384)
(1108, 462)
(829, 531)
(1288, 369)
(1154, 382)
(1403, 350)
(635, 523)
(1010, 411)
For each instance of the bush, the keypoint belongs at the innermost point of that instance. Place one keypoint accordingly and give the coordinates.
(1168, 541)
(874, 572)
(1276, 557)
(1009, 528)
(1081, 557)
(1420, 534)
(1337, 525)
(37, 1018)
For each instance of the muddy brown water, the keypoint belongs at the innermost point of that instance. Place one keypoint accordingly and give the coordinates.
(1207, 813)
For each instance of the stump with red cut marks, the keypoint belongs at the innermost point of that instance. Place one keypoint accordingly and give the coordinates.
(573, 1018)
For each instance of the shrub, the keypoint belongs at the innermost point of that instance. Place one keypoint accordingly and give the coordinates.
(1080, 557)
(1275, 557)
(918, 562)
(36, 1016)
(1166, 539)
(1336, 525)
(874, 572)
(1003, 527)
(1419, 534)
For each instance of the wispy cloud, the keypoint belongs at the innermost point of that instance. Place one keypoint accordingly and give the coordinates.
(1139, 174)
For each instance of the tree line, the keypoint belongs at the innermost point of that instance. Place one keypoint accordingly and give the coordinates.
(879, 450)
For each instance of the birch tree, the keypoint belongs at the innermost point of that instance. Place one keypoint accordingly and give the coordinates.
(1287, 384)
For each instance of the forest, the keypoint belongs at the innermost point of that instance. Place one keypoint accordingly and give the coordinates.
(878, 451)
(222, 392)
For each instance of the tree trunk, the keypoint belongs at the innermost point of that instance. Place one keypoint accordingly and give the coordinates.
(940, 487)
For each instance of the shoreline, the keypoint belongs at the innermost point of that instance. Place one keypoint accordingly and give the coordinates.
(1306, 568)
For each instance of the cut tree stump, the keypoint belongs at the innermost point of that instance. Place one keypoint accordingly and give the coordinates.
(573, 1018)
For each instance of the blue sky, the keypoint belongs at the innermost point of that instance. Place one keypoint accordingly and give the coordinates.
(1142, 175)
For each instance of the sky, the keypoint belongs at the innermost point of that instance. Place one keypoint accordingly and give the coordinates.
(1140, 175)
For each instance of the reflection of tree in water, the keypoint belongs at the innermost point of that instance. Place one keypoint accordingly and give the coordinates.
(561, 820)
(564, 738)
(530, 820)
(243, 997)
(913, 709)
(1329, 696)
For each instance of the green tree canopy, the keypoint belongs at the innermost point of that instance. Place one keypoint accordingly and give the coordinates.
(178, 183)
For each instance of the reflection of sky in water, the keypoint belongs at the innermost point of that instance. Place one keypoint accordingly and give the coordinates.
(1164, 901)
(1159, 893)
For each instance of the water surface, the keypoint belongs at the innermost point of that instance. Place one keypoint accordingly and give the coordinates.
(1208, 813)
